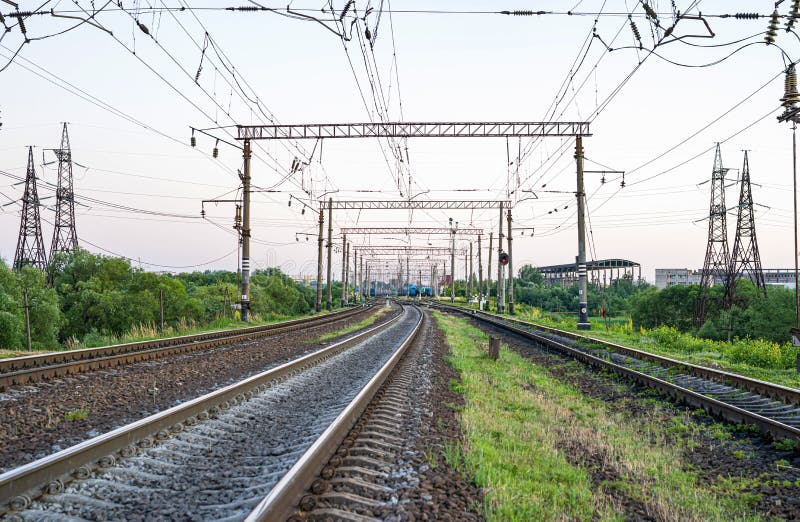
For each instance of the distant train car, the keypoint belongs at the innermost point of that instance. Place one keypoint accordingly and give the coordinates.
(412, 291)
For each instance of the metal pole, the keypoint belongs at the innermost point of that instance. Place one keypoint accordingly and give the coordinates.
(347, 276)
(246, 234)
(452, 264)
(501, 286)
(794, 200)
(489, 274)
(470, 272)
(27, 321)
(361, 278)
(328, 300)
(466, 275)
(510, 268)
(344, 269)
(480, 274)
(408, 275)
(583, 305)
(318, 302)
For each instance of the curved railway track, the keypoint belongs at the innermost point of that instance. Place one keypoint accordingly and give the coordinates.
(247, 450)
(773, 408)
(34, 368)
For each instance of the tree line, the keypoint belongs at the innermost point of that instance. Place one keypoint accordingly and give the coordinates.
(84, 298)
(752, 315)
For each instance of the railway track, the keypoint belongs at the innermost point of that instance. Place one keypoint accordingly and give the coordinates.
(772, 408)
(248, 450)
(34, 368)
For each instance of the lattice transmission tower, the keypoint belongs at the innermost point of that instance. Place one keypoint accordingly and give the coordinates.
(30, 246)
(715, 266)
(745, 258)
(65, 238)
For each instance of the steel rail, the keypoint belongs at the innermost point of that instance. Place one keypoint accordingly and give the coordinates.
(32, 368)
(282, 500)
(720, 408)
(49, 474)
(768, 389)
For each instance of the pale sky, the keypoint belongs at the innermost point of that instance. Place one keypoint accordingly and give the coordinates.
(451, 67)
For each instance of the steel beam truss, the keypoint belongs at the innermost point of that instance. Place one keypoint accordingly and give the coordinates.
(369, 250)
(416, 205)
(409, 231)
(414, 130)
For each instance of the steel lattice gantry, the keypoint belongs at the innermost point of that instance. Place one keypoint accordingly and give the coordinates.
(414, 130)
(404, 204)
(410, 231)
(577, 130)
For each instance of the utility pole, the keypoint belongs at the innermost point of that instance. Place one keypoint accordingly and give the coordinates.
(408, 275)
(27, 321)
(30, 246)
(347, 276)
(489, 274)
(470, 272)
(246, 234)
(501, 285)
(466, 276)
(361, 278)
(583, 297)
(318, 302)
(453, 261)
(328, 301)
(480, 275)
(65, 238)
(510, 268)
(344, 270)
(717, 258)
(745, 258)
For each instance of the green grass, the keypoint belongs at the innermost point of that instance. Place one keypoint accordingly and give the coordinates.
(368, 321)
(520, 425)
(755, 358)
(78, 414)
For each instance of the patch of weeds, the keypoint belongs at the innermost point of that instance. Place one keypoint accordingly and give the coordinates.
(739, 454)
(719, 432)
(784, 445)
(453, 454)
(75, 415)
(430, 457)
(453, 406)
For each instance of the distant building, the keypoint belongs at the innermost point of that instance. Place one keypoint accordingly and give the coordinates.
(305, 280)
(683, 276)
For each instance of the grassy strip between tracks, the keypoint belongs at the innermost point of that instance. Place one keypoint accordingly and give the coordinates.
(754, 358)
(367, 321)
(531, 442)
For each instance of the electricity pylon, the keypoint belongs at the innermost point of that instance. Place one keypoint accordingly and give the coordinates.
(30, 246)
(745, 259)
(717, 257)
(65, 238)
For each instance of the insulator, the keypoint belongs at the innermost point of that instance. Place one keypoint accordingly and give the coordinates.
(793, 12)
(347, 7)
(215, 152)
(303, 212)
(636, 33)
(772, 28)
(649, 11)
(143, 28)
(747, 16)
(368, 34)
(290, 201)
(203, 213)
(790, 96)
(193, 140)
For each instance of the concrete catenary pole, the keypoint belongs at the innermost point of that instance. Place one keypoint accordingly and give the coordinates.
(318, 302)
(470, 272)
(489, 273)
(246, 233)
(480, 273)
(452, 264)
(344, 270)
(510, 268)
(583, 304)
(329, 288)
(501, 285)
